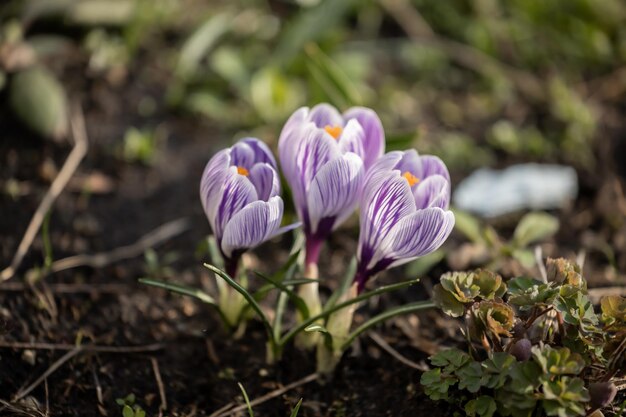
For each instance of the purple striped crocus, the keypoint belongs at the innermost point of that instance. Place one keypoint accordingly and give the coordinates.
(240, 191)
(404, 212)
(324, 156)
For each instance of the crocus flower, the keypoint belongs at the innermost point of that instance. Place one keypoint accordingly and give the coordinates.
(404, 212)
(324, 156)
(240, 191)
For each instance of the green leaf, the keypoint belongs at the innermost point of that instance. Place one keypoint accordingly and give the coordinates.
(450, 359)
(246, 399)
(198, 45)
(386, 315)
(525, 377)
(534, 227)
(483, 406)
(343, 287)
(558, 361)
(565, 397)
(127, 411)
(273, 94)
(331, 78)
(469, 226)
(613, 309)
(293, 297)
(39, 101)
(249, 298)
(180, 289)
(496, 369)
(470, 376)
(327, 311)
(309, 26)
(528, 292)
(296, 409)
(447, 302)
(436, 384)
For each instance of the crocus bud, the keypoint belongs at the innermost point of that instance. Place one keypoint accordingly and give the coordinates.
(404, 212)
(602, 394)
(521, 349)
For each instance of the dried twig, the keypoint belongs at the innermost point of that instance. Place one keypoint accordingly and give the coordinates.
(65, 288)
(99, 260)
(56, 365)
(87, 348)
(159, 381)
(276, 393)
(72, 162)
(387, 348)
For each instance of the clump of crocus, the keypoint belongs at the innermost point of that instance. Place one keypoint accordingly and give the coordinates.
(404, 215)
(239, 191)
(324, 156)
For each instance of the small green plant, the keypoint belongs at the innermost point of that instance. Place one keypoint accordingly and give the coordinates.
(129, 408)
(534, 347)
(294, 411)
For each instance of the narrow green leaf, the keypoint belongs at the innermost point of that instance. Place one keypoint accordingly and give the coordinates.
(331, 78)
(249, 298)
(343, 287)
(180, 289)
(293, 297)
(469, 226)
(316, 328)
(200, 43)
(246, 399)
(296, 409)
(388, 288)
(214, 251)
(382, 317)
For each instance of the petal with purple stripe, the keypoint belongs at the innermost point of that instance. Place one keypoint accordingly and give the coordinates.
(262, 152)
(265, 180)
(415, 235)
(211, 183)
(335, 190)
(374, 140)
(252, 225)
(238, 192)
(351, 139)
(434, 191)
(432, 165)
(325, 115)
(386, 199)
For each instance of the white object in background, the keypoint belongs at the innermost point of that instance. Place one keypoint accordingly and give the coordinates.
(491, 193)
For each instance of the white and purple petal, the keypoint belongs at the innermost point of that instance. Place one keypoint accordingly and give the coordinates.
(335, 190)
(434, 191)
(252, 225)
(261, 151)
(351, 139)
(325, 115)
(265, 180)
(237, 192)
(415, 235)
(212, 181)
(386, 199)
(374, 140)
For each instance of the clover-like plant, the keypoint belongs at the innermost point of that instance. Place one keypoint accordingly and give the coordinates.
(534, 347)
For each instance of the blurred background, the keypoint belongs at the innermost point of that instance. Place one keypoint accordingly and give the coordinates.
(163, 84)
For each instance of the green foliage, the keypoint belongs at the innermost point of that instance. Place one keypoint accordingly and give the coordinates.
(537, 347)
(129, 407)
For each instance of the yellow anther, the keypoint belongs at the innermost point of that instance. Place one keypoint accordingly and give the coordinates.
(412, 179)
(242, 171)
(334, 131)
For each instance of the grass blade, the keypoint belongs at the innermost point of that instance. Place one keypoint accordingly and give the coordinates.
(293, 297)
(249, 298)
(345, 284)
(180, 289)
(296, 409)
(246, 399)
(406, 309)
(306, 323)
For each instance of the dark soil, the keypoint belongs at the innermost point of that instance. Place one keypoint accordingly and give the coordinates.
(198, 362)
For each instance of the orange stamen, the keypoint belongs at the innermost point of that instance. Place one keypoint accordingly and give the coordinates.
(242, 171)
(412, 179)
(334, 131)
